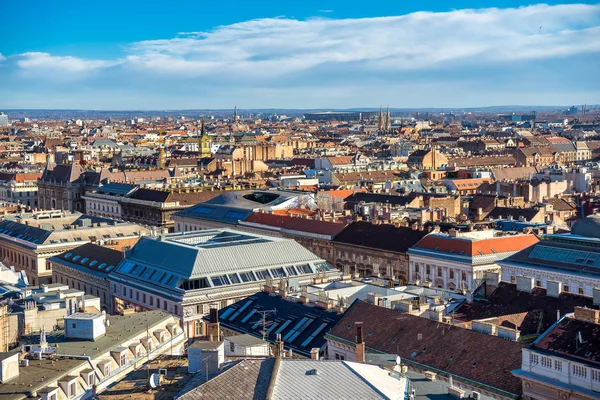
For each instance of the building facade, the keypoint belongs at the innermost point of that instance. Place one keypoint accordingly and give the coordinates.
(460, 261)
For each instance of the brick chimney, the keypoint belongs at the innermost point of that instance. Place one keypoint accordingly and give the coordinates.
(587, 314)
(213, 328)
(360, 343)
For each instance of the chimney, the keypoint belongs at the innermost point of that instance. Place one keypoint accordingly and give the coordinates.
(213, 328)
(360, 343)
(587, 314)
(278, 346)
(314, 354)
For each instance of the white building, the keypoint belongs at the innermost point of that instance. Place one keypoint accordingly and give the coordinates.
(246, 346)
(563, 362)
(460, 261)
(560, 262)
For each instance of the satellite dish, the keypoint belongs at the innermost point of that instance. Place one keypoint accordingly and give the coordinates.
(153, 381)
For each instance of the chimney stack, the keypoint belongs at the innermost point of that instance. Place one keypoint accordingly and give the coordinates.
(360, 343)
(278, 346)
(314, 354)
(213, 328)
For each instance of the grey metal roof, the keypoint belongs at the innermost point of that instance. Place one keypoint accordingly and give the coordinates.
(334, 380)
(211, 252)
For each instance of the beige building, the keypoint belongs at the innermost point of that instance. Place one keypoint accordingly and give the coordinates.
(28, 240)
(93, 352)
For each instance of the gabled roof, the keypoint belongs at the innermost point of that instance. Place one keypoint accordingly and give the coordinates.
(461, 352)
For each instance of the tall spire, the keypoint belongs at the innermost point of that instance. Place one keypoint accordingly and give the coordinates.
(235, 114)
(388, 120)
(203, 142)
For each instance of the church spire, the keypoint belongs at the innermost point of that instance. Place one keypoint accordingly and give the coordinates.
(235, 114)
(388, 120)
(203, 142)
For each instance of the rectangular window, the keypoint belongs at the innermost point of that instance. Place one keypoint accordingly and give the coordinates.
(247, 276)
(233, 278)
(123, 359)
(451, 273)
(151, 300)
(220, 280)
(262, 275)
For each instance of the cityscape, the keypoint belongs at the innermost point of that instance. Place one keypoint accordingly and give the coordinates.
(288, 201)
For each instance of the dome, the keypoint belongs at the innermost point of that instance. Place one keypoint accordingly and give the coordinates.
(588, 227)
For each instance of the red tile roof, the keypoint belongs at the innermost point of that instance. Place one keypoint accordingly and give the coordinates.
(460, 352)
(297, 223)
(340, 160)
(469, 247)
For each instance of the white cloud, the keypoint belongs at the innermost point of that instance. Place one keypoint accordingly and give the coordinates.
(420, 40)
(68, 64)
(2, 58)
(282, 55)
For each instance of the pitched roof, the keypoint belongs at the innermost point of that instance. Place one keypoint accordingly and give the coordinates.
(461, 352)
(384, 236)
(341, 160)
(289, 317)
(468, 247)
(564, 339)
(540, 310)
(246, 380)
(516, 213)
(379, 198)
(296, 224)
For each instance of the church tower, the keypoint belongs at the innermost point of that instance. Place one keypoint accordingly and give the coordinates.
(235, 114)
(388, 120)
(203, 142)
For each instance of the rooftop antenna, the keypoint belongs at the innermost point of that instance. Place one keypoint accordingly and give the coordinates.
(265, 323)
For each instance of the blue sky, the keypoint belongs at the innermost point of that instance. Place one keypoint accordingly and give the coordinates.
(310, 54)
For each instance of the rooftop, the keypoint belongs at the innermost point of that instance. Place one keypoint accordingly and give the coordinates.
(165, 260)
(302, 327)
(461, 352)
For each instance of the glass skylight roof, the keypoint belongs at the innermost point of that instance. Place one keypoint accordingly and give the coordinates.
(567, 256)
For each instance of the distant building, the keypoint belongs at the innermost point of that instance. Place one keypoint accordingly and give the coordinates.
(3, 119)
(19, 188)
(427, 160)
(334, 116)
